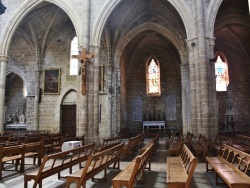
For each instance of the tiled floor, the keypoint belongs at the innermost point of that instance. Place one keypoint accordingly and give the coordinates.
(156, 178)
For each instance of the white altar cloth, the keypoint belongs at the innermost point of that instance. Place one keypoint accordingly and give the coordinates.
(16, 126)
(71, 145)
(153, 124)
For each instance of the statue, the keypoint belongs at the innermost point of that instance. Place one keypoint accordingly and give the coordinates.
(21, 118)
(83, 58)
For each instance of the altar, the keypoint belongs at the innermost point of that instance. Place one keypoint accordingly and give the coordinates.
(16, 126)
(153, 125)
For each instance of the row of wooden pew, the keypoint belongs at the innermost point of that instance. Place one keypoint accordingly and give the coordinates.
(232, 163)
(95, 160)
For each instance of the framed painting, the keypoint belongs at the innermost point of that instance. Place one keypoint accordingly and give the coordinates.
(51, 83)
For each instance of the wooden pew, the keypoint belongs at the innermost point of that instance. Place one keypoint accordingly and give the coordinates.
(55, 163)
(109, 143)
(11, 154)
(180, 169)
(219, 141)
(232, 166)
(175, 148)
(132, 145)
(187, 140)
(155, 142)
(201, 146)
(134, 170)
(96, 163)
(242, 143)
(34, 150)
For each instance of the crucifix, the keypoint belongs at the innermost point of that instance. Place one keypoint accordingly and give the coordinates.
(83, 58)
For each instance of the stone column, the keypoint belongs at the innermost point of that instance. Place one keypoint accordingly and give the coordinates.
(96, 65)
(212, 90)
(83, 122)
(109, 72)
(3, 65)
(186, 106)
(203, 70)
(36, 104)
(194, 85)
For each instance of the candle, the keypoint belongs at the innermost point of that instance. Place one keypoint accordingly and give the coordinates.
(17, 109)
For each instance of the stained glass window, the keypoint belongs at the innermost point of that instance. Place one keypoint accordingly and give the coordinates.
(221, 74)
(153, 78)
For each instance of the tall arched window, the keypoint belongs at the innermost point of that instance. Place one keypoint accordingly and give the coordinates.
(221, 74)
(73, 61)
(153, 77)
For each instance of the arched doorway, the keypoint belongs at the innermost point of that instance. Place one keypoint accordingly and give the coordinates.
(68, 114)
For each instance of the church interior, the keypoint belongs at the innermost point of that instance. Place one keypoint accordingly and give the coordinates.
(108, 68)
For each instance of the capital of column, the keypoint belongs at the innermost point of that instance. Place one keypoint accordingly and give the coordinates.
(211, 41)
(192, 42)
(4, 58)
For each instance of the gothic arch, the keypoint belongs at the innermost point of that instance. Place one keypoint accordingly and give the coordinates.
(163, 31)
(211, 16)
(181, 7)
(21, 74)
(23, 11)
(64, 92)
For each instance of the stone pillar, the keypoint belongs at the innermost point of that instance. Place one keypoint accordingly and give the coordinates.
(212, 90)
(117, 106)
(83, 124)
(203, 70)
(186, 106)
(194, 85)
(109, 72)
(36, 104)
(3, 65)
(96, 65)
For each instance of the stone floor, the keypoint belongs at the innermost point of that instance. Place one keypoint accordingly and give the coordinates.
(156, 178)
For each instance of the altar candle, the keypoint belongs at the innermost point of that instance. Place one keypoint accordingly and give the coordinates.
(17, 109)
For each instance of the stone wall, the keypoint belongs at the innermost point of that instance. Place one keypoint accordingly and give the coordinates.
(170, 85)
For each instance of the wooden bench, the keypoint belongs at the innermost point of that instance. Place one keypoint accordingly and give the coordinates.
(134, 170)
(176, 147)
(180, 169)
(33, 150)
(132, 145)
(219, 141)
(242, 143)
(109, 143)
(232, 166)
(187, 140)
(201, 146)
(11, 154)
(95, 164)
(55, 163)
(155, 140)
